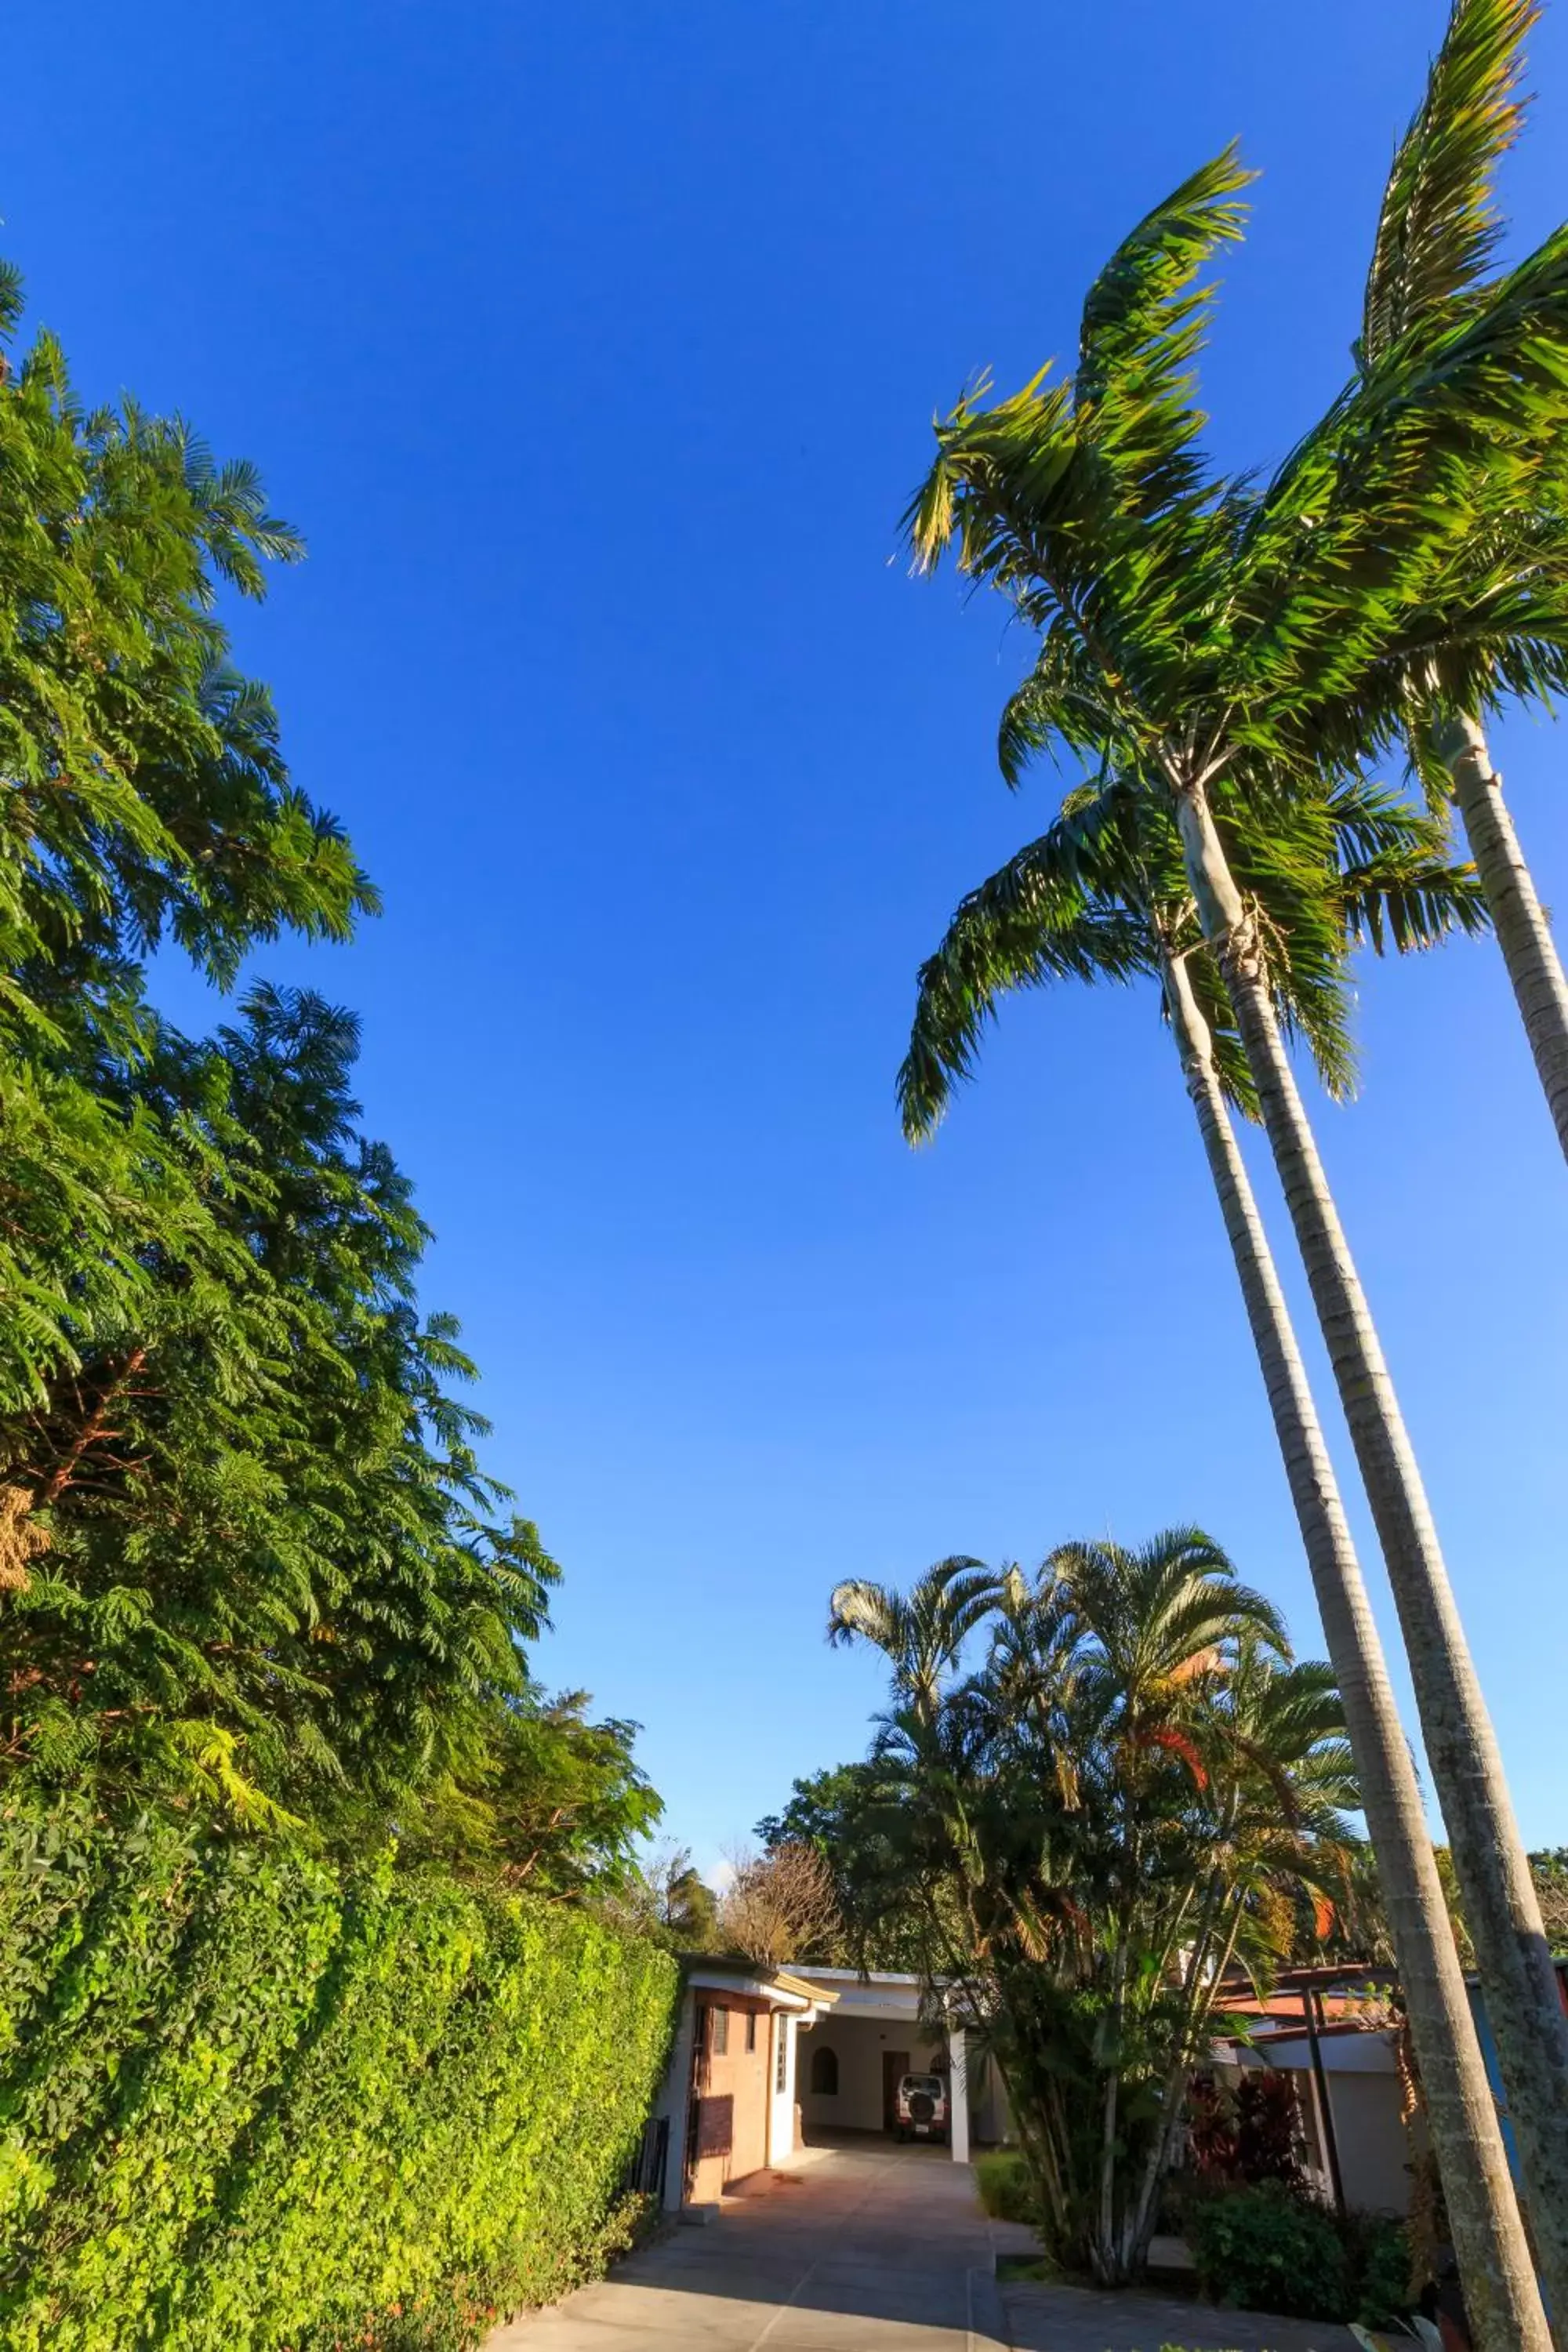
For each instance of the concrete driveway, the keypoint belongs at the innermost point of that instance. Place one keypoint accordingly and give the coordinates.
(872, 2249)
(880, 2249)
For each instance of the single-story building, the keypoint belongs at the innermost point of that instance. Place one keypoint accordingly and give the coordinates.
(727, 2106)
(764, 2058)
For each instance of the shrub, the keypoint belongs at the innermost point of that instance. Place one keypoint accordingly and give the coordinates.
(1006, 2188)
(1267, 2250)
(1250, 2132)
(249, 2101)
(1380, 2271)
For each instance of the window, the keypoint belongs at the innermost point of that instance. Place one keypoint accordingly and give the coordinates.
(780, 2071)
(719, 2043)
(825, 2072)
(751, 2030)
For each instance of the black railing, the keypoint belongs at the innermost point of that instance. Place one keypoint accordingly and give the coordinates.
(644, 2175)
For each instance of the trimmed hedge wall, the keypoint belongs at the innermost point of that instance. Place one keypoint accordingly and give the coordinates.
(247, 2101)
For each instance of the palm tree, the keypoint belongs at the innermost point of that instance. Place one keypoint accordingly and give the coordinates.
(1098, 899)
(922, 1631)
(1213, 647)
(1099, 1818)
(1435, 236)
(1158, 1619)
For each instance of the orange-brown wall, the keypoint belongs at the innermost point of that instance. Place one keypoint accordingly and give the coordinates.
(733, 2095)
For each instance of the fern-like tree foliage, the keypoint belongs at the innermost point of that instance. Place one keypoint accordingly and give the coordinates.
(251, 1569)
(1229, 653)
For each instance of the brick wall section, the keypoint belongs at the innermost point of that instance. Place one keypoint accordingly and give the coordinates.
(733, 2087)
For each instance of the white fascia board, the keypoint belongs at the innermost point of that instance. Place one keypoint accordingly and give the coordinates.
(752, 1987)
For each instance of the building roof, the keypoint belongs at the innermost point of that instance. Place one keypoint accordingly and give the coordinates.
(733, 1971)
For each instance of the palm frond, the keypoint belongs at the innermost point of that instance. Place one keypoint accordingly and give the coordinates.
(1031, 923)
(1438, 227)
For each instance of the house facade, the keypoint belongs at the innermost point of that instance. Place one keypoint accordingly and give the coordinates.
(727, 2106)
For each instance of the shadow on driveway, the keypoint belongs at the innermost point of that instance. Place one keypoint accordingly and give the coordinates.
(872, 2249)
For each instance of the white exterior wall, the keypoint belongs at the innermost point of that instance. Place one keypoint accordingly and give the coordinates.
(1363, 2085)
(781, 2105)
(674, 2097)
(1369, 2134)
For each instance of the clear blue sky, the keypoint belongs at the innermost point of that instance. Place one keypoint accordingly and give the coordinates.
(594, 347)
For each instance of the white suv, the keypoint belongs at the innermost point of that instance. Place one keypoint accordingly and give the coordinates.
(921, 2107)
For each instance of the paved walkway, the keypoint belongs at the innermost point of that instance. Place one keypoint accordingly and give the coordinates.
(879, 2248)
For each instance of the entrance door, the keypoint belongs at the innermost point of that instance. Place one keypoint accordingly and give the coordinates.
(895, 2067)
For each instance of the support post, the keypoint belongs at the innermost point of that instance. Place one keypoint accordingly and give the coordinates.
(957, 2095)
(1320, 2092)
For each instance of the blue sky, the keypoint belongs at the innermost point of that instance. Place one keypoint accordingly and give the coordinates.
(595, 350)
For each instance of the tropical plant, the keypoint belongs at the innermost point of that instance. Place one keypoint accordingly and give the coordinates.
(922, 1631)
(1097, 1822)
(1208, 645)
(1103, 895)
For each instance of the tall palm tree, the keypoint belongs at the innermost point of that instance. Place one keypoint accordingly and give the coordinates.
(1096, 898)
(1213, 646)
(1436, 235)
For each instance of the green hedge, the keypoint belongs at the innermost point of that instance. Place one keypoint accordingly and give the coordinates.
(247, 2101)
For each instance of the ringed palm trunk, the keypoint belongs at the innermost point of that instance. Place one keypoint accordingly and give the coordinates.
(1523, 2003)
(1489, 2238)
(1524, 934)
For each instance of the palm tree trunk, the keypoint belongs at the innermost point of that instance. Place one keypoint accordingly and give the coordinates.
(1524, 934)
(1488, 2236)
(1523, 2004)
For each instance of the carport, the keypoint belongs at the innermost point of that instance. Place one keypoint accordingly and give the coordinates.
(849, 2061)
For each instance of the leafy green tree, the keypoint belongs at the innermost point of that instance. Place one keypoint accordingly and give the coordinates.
(546, 1802)
(146, 799)
(847, 1815)
(1207, 645)
(251, 1569)
(274, 1569)
(1119, 1801)
(1103, 895)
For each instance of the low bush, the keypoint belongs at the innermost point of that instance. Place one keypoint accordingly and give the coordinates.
(1007, 2189)
(1267, 2250)
(1380, 2271)
(249, 2101)
(1274, 2249)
